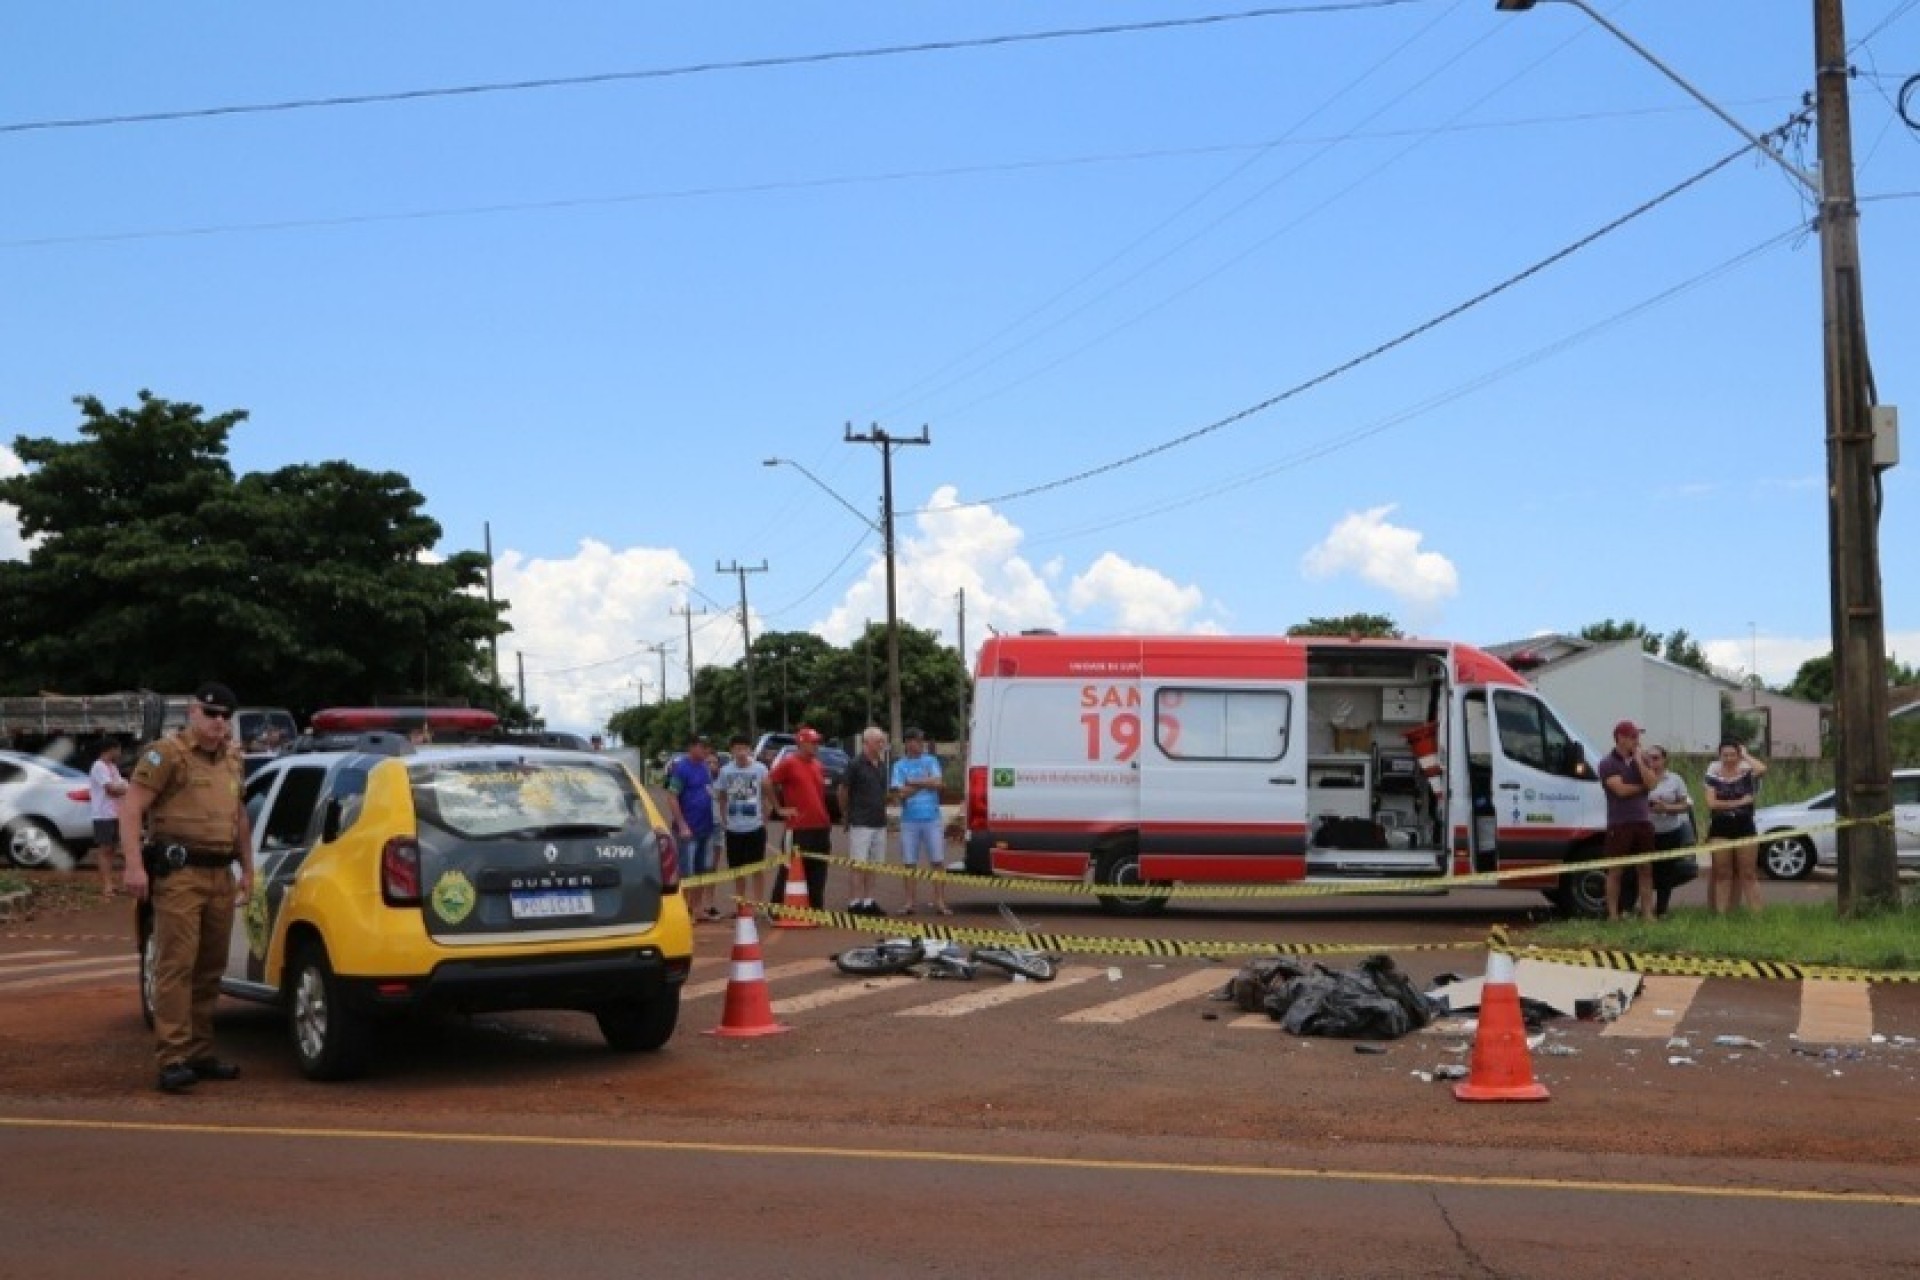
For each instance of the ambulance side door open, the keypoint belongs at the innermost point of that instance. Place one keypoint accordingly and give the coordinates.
(1544, 791)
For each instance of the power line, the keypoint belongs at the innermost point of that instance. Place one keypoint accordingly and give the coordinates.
(1364, 357)
(691, 69)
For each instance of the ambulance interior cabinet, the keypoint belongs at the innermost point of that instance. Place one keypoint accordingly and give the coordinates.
(1340, 786)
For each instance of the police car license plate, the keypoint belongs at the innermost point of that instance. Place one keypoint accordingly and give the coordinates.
(545, 904)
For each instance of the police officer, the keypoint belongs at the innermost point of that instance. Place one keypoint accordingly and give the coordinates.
(185, 790)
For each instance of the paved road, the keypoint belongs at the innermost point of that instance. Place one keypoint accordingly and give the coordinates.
(315, 1202)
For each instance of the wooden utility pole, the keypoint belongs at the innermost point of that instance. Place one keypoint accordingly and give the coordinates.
(741, 571)
(887, 443)
(693, 713)
(1863, 758)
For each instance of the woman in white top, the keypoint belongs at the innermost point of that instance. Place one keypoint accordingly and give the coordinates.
(1672, 811)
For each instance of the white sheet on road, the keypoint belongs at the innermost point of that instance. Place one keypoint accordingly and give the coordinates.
(1559, 986)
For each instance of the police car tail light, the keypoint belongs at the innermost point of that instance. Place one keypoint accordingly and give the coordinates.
(400, 872)
(669, 861)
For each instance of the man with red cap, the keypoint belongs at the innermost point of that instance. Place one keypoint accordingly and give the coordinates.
(800, 786)
(1624, 773)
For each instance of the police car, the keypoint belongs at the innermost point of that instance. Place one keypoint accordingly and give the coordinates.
(390, 878)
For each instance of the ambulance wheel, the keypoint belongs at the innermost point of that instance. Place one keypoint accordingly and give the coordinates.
(1582, 894)
(1121, 868)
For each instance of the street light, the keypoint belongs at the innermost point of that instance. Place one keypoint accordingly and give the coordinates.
(883, 527)
(1863, 763)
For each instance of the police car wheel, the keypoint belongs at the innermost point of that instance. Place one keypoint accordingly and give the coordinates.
(640, 1026)
(330, 1039)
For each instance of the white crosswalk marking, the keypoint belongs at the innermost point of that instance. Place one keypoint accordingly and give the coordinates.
(1835, 1012)
(94, 971)
(995, 996)
(1657, 1011)
(1126, 1009)
(792, 969)
(9, 961)
(849, 990)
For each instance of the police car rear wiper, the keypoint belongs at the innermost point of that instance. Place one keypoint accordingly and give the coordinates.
(567, 830)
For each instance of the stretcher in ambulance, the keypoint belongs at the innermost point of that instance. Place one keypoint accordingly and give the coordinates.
(1141, 761)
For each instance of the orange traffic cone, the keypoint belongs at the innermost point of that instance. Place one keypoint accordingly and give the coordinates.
(1501, 1070)
(795, 896)
(749, 1012)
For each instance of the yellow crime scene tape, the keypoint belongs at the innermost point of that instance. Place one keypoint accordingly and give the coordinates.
(1229, 892)
(1193, 948)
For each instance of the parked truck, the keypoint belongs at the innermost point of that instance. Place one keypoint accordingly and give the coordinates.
(41, 722)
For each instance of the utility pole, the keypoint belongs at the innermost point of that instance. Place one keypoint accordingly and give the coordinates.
(866, 660)
(887, 443)
(1863, 762)
(663, 649)
(493, 614)
(1863, 758)
(741, 571)
(964, 720)
(693, 715)
(521, 659)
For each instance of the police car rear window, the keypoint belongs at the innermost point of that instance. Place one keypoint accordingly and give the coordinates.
(478, 799)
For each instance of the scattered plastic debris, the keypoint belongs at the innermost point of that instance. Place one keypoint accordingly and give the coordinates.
(1679, 1042)
(1737, 1042)
(1370, 1048)
(1449, 1071)
(1113, 973)
(1558, 1050)
(1678, 1060)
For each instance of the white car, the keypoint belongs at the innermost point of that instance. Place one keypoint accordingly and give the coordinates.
(1786, 857)
(43, 810)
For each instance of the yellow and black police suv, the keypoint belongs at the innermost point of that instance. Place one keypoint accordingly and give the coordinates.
(390, 878)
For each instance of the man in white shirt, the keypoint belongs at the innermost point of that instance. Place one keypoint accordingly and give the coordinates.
(105, 786)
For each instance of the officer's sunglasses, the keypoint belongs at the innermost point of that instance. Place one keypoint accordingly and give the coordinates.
(213, 713)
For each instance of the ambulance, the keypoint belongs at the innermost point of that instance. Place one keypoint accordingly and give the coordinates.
(1146, 761)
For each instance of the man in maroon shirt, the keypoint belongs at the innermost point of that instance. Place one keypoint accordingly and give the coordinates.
(1623, 774)
(800, 787)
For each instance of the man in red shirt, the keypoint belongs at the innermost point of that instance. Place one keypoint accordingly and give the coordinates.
(800, 787)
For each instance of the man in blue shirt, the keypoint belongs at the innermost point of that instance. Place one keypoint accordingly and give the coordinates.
(690, 795)
(916, 783)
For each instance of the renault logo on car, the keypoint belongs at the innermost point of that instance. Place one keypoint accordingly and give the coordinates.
(553, 853)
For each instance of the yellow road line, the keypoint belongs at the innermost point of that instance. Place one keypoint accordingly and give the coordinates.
(761, 1150)
(1127, 1008)
(1835, 1013)
(1003, 993)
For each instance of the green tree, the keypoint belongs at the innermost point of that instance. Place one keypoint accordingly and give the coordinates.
(157, 568)
(1814, 679)
(1679, 647)
(1376, 625)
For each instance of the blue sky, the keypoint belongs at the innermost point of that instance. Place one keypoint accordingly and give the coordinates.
(587, 314)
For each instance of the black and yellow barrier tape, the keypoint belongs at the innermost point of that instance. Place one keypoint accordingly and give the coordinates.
(1228, 892)
(731, 873)
(1090, 945)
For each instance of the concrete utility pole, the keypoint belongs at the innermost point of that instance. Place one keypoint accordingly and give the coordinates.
(663, 649)
(965, 722)
(693, 714)
(887, 443)
(741, 571)
(1863, 757)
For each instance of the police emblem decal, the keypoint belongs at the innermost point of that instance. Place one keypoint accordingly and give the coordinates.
(453, 897)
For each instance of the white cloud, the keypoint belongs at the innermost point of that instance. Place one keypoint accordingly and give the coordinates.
(1385, 555)
(1779, 657)
(13, 546)
(581, 624)
(1136, 598)
(947, 549)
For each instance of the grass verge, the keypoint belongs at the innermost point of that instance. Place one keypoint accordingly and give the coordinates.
(1811, 934)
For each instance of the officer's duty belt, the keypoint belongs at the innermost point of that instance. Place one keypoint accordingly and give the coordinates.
(179, 855)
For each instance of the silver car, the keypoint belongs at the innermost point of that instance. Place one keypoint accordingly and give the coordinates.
(1793, 857)
(43, 810)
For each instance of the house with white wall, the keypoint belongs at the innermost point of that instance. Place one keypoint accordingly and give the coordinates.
(1597, 684)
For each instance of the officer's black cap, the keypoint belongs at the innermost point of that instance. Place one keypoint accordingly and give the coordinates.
(215, 695)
